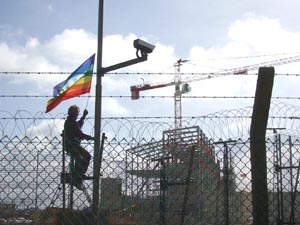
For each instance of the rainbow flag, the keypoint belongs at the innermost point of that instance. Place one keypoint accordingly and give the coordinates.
(78, 83)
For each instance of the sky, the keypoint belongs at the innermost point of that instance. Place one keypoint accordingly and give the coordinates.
(213, 36)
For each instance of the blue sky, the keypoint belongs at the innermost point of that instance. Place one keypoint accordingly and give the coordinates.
(57, 36)
(172, 22)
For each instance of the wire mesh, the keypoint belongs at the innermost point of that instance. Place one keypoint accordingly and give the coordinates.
(153, 174)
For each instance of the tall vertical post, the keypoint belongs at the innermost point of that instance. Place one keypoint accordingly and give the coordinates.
(63, 171)
(98, 106)
(177, 97)
(98, 109)
(226, 185)
(72, 168)
(162, 198)
(258, 145)
(227, 180)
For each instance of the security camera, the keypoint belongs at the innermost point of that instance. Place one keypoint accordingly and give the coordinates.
(143, 46)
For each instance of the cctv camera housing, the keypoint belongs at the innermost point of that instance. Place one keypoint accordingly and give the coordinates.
(143, 46)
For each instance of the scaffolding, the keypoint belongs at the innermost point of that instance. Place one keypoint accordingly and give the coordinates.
(175, 179)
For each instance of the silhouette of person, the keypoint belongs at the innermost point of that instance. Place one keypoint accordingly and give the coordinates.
(73, 137)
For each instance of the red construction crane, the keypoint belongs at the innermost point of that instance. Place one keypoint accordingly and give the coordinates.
(182, 86)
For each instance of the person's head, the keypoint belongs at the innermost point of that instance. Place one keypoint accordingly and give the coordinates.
(73, 111)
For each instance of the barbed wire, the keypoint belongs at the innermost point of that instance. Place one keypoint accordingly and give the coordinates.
(251, 56)
(112, 73)
(154, 96)
(143, 73)
(150, 117)
(225, 124)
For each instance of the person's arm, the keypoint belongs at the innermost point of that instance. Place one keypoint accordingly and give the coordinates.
(82, 135)
(81, 121)
(80, 124)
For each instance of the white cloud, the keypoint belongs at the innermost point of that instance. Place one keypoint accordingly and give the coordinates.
(113, 107)
(61, 53)
(70, 47)
(263, 35)
(45, 128)
(65, 51)
(32, 43)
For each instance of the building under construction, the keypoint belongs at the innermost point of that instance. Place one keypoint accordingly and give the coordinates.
(177, 180)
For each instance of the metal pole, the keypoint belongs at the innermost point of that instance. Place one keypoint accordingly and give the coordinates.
(292, 215)
(37, 179)
(278, 146)
(226, 181)
(72, 169)
(63, 170)
(98, 108)
(162, 199)
(226, 185)
(278, 179)
(187, 187)
(98, 102)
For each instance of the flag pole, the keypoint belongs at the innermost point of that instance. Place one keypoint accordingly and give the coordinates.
(98, 109)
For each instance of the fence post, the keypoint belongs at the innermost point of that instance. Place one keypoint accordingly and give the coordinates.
(258, 159)
(226, 180)
(63, 170)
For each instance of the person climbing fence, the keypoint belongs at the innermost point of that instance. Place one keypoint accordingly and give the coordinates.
(73, 136)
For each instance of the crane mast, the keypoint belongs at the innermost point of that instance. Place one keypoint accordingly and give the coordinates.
(178, 94)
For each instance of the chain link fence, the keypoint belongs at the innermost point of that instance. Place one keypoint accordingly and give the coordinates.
(184, 176)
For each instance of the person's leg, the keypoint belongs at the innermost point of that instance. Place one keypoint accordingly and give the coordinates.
(76, 169)
(83, 161)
